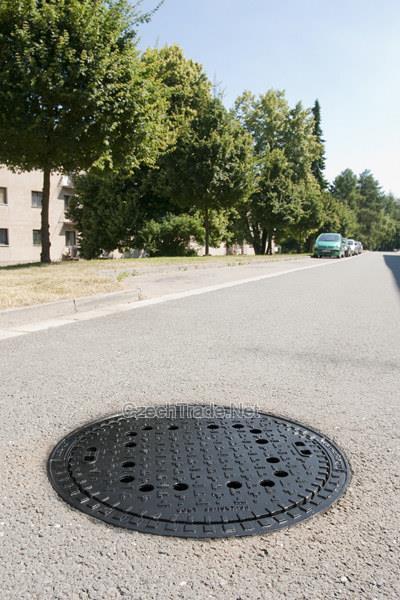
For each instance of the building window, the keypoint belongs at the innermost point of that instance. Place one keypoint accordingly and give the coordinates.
(3, 237)
(3, 196)
(67, 202)
(70, 238)
(37, 237)
(37, 198)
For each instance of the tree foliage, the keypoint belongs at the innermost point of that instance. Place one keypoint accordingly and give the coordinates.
(205, 169)
(74, 92)
(184, 83)
(284, 147)
(210, 166)
(156, 151)
(372, 214)
(171, 235)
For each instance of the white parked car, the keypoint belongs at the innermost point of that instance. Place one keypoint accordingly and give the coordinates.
(352, 247)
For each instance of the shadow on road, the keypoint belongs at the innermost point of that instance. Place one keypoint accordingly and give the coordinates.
(393, 262)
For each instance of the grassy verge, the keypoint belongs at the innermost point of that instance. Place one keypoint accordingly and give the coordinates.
(27, 284)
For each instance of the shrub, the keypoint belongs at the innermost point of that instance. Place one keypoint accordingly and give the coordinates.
(171, 236)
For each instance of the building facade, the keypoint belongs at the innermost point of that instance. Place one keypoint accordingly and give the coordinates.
(20, 208)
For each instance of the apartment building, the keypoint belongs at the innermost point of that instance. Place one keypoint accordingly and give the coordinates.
(20, 208)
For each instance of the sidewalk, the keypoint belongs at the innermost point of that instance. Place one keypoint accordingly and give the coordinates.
(151, 286)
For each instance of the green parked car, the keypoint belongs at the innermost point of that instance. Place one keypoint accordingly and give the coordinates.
(330, 244)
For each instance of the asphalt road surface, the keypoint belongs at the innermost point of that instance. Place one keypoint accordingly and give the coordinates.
(321, 346)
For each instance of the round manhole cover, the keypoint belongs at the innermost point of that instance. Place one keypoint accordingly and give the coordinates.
(189, 473)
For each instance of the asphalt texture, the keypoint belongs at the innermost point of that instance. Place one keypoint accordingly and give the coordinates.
(321, 346)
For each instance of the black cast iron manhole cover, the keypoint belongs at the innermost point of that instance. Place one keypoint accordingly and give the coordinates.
(186, 475)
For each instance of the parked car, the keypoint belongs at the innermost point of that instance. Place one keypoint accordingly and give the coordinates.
(359, 247)
(352, 247)
(329, 244)
(346, 247)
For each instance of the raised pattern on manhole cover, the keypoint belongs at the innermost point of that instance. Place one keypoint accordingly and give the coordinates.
(234, 474)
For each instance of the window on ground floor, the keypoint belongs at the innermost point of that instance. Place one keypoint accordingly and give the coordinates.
(3, 237)
(70, 238)
(37, 198)
(37, 237)
(3, 196)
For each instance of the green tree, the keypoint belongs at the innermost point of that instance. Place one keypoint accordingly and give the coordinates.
(185, 84)
(338, 216)
(392, 233)
(345, 189)
(364, 210)
(105, 208)
(373, 224)
(318, 164)
(311, 216)
(110, 208)
(285, 148)
(130, 199)
(73, 91)
(210, 167)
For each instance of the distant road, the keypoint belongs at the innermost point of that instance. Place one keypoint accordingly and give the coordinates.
(321, 346)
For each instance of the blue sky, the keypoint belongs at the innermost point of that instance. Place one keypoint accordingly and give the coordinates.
(346, 53)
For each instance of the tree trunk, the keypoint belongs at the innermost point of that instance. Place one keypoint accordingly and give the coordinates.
(256, 240)
(257, 245)
(207, 232)
(264, 238)
(269, 247)
(45, 253)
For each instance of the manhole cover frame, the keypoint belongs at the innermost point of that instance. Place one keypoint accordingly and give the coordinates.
(58, 474)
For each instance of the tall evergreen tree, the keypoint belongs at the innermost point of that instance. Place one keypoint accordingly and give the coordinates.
(318, 165)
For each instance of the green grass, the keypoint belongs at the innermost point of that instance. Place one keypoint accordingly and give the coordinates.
(27, 284)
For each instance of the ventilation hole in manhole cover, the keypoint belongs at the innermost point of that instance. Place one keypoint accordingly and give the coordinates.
(146, 488)
(89, 459)
(127, 479)
(130, 445)
(281, 474)
(180, 487)
(128, 464)
(234, 485)
(235, 473)
(267, 483)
